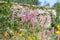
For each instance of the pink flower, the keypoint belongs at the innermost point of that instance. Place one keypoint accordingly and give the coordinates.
(32, 24)
(23, 18)
(12, 16)
(35, 11)
(28, 17)
(52, 31)
(35, 14)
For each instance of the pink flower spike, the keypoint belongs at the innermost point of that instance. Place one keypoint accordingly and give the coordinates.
(52, 31)
(12, 16)
(35, 14)
(23, 18)
(35, 11)
(28, 17)
(32, 24)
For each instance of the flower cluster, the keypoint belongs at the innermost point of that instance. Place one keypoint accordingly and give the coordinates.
(25, 23)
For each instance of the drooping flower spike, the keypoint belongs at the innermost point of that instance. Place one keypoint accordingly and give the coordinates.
(52, 31)
(13, 16)
(28, 16)
(35, 14)
(32, 22)
(23, 18)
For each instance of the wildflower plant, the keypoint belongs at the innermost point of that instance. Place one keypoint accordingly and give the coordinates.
(24, 23)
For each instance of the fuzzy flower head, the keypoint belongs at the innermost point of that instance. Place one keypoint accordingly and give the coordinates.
(20, 35)
(58, 27)
(29, 38)
(58, 32)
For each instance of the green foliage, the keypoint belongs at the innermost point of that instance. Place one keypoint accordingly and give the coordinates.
(56, 21)
(7, 23)
(35, 2)
(5, 13)
(58, 12)
(8, 1)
